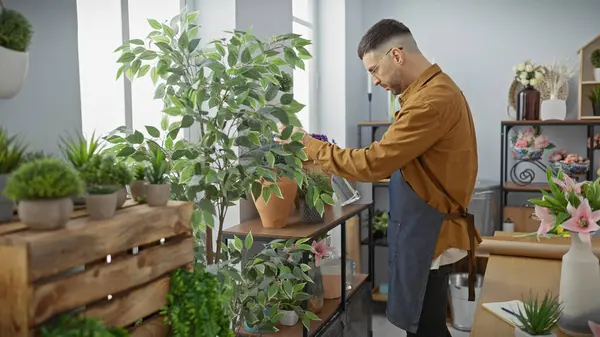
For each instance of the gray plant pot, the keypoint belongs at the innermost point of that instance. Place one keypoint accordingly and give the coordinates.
(46, 214)
(309, 214)
(7, 206)
(101, 206)
(158, 195)
(121, 197)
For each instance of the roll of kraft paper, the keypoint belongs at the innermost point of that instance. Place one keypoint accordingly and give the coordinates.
(527, 248)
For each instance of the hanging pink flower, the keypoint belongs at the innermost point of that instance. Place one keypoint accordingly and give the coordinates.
(541, 142)
(521, 143)
(546, 220)
(583, 220)
(568, 184)
(320, 249)
(595, 328)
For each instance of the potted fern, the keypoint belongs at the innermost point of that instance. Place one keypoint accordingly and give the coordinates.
(100, 177)
(15, 38)
(138, 185)
(539, 318)
(158, 190)
(11, 155)
(594, 97)
(44, 188)
(595, 58)
(78, 151)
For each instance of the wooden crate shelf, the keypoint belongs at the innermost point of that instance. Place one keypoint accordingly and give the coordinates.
(48, 273)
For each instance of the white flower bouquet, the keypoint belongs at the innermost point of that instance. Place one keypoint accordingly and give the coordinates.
(529, 73)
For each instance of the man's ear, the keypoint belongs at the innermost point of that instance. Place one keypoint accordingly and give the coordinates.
(398, 55)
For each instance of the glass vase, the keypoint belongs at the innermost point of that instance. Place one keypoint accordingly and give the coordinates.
(579, 288)
(315, 289)
(528, 103)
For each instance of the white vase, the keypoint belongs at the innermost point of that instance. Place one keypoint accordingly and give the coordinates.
(521, 333)
(290, 318)
(553, 108)
(597, 74)
(579, 289)
(13, 70)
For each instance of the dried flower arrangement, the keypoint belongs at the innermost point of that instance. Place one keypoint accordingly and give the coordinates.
(557, 75)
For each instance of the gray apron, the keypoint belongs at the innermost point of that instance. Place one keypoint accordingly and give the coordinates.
(413, 231)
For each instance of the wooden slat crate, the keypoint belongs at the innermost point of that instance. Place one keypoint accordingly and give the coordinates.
(46, 273)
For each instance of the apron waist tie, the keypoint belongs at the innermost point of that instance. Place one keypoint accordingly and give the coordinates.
(470, 219)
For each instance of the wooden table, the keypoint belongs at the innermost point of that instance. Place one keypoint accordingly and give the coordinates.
(510, 276)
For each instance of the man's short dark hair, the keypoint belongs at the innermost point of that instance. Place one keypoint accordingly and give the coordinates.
(380, 33)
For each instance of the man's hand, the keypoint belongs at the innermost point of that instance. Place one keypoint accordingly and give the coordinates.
(282, 127)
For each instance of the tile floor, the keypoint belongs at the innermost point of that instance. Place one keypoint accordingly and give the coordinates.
(383, 328)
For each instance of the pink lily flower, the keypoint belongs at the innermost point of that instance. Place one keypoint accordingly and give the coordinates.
(320, 249)
(568, 184)
(546, 220)
(583, 220)
(595, 328)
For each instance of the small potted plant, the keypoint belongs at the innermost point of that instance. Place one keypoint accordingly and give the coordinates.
(158, 189)
(287, 307)
(570, 163)
(138, 185)
(11, 156)
(594, 97)
(15, 38)
(539, 318)
(123, 177)
(78, 151)
(43, 188)
(380, 224)
(530, 144)
(99, 175)
(313, 182)
(595, 58)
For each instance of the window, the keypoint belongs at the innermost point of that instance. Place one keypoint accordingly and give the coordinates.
(304, 80)
(107, 103)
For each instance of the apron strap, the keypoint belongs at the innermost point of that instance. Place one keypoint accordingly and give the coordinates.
(470, 220)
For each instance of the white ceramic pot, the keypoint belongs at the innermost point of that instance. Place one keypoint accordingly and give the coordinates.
(45, 214)
(597, 74)
(521, 333)
(13, 70)
(290, 318)
(158, 195)
(121, 197)
(579, 288)
(138, 189)
(101, 206)
(553, 109)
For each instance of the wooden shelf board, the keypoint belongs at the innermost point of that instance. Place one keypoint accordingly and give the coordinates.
(295, 228)
(590, 82)
(533, 187)
(585, 120)
(330, 307)
(378, 297)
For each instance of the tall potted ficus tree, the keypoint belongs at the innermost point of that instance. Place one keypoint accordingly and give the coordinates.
(15, 38)
(230, 91)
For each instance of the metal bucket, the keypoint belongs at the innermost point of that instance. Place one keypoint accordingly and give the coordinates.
(463, 311)
(485, 206)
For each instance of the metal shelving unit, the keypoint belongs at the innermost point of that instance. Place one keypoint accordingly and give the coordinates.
(512, 180)
(349, 315)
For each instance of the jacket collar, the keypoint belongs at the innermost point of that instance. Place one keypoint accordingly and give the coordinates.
(420, 82)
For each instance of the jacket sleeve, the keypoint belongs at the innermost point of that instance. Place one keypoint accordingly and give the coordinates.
(415, 130)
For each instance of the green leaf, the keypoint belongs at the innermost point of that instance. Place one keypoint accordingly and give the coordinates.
(193, 45)
(126, 57)
(276, 191)
(152, 131)
(238, 244)
(187, 121)
(143, 70)
(312, 316)
(173, 134)
(249, 241)
(305, 267)
(256, 189)
(286, 99)
(273, 290)
(136, 138)
(191, 17)
(154, 24)
(126, 152)
(270, 158)
(164, 123)
(271, 93)
(288, 288)
(173, 111)
(266, 194)
(207, 206)
(327, 199)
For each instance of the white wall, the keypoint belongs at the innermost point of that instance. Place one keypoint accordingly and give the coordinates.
(49, 104)
(478, 42)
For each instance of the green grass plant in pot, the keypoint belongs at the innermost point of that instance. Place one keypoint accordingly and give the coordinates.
(594, 97)
(100, 177)
(158, 189)
(43, 188)
(314, 192)
(539, 317)
(123, 177)
(138, 185)
(228, 90)
(595, 59)
(15, 39)
(12, 152)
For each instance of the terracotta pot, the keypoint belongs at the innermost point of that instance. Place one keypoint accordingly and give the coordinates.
(46, 214)
(158, 195)
(121, 197)
(276, 212)
(138, 189)
(101, 206)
